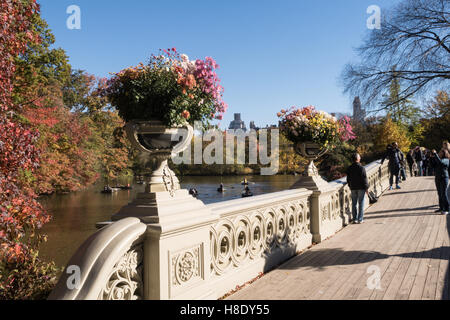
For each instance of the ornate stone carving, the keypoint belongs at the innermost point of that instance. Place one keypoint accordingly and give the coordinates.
(251, 235)
(186, 266)
(125, 280)
(170, 180)
(336, 208)
(325, 211)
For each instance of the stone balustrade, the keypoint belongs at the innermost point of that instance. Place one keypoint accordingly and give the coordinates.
(187, 250)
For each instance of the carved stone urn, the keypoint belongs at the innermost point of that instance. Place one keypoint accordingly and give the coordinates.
(163, 197)
(159, 143)
(310, 178)
(311, 151)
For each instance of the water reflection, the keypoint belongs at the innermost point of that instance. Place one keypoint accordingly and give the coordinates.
(75, 215)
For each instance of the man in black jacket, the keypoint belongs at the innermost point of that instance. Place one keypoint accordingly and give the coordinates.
(393, 154)
(359, 185)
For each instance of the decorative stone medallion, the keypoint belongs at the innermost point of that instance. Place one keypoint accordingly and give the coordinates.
(186, 266)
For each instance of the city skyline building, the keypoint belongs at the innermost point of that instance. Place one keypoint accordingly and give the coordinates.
(237, 123)
(359, 114)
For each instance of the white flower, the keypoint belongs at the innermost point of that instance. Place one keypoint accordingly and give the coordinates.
(184, 57)
(188, 66)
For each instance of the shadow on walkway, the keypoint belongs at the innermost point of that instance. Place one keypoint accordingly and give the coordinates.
(341, 257)
(408, 192)
(402, 215)
(402, 210)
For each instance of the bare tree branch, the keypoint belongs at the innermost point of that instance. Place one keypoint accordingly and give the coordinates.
(413, 45)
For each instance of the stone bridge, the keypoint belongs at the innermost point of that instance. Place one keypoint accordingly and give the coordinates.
(297, 242)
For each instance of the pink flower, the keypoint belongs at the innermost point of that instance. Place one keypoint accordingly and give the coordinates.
(186, 114)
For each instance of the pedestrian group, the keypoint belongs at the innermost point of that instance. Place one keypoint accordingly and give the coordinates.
(420, 162)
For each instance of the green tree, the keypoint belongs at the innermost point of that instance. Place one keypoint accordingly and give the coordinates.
(401, 111)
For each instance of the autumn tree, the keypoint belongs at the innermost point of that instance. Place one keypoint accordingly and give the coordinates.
(387, 132)
(437, 122)
(290, 161)
(108, 139)
(43, 85)
(78, 142)
(22, 274)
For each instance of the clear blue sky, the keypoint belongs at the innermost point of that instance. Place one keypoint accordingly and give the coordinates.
(272, 54)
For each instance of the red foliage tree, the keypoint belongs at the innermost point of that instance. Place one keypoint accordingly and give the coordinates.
(21, 215)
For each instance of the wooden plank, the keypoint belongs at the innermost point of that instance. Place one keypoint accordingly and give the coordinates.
(392, 277)
(429, 292)
(404, 290)
(409, 232)
(400, 273)
(412, 225)
(358, 275)
(423, 235)
(338, 284)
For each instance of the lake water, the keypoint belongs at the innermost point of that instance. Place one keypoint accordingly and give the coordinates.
(75, 214)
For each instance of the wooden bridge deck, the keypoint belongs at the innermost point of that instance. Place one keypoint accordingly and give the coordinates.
(403, 240)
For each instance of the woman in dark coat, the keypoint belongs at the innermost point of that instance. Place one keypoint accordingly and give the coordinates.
(410, 160)
(441, 163)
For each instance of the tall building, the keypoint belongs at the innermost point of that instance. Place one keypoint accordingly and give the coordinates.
(237, 123)
(253, 126)
(359, 114)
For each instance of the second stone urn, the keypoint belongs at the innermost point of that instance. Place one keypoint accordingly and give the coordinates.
(310, 178)
(310, 151)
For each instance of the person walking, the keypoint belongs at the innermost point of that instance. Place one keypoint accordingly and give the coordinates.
(428, 168)
(418, 156)
(359, 186)
(410, 161)
(402, 173)
(393, 154)
(431, 169)
(446, 146)
(441, 163)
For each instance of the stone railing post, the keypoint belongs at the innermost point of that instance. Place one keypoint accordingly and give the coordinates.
(331, 202)
(176, 246)
(320, 206)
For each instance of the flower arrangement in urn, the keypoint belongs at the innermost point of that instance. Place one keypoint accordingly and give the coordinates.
(313, 133)
(308, 125)
(170, 88)
(161, 99)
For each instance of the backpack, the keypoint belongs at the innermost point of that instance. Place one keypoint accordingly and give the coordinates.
(372, 198)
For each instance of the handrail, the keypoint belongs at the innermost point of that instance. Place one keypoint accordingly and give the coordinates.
(96, 258)
(245, 204)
